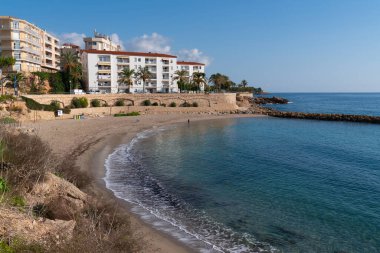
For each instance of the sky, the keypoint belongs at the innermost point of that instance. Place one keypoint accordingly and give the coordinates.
(279, 45)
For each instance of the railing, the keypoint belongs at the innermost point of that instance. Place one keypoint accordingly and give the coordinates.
(103, 77)
(151, 62)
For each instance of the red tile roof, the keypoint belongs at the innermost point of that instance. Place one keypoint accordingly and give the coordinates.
(93, 51)
(189, 63)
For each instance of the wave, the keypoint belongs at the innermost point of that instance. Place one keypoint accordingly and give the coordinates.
(131, 181)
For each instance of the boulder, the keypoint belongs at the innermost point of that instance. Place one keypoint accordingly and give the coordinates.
(62, 199)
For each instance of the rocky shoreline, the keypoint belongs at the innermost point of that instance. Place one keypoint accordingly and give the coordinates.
(255, 107)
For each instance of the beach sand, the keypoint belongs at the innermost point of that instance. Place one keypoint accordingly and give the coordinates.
(90, 141)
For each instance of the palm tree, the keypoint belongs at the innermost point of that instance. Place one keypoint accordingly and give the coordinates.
(218, 80)
(182, 77)
(199, 79)
(143, 74)
(126, 77)
(5, 62)
(244, 83)
(72, 67)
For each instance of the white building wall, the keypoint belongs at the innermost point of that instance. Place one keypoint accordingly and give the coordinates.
(91, 63)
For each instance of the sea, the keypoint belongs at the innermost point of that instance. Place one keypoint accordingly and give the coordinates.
(260, 184)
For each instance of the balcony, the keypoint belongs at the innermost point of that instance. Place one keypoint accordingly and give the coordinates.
(104, 71)
(165, 62)
(153, 70)
(150, 61)
(165, 77)
(165, 69)
(122, 61)
(104, 77)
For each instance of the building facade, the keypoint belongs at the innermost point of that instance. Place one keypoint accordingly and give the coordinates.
(33, 48)
(100, 42)
(102, 69)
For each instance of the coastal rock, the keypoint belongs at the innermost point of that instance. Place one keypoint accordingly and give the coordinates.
(14, 223)
(267, 100)
(61, 198)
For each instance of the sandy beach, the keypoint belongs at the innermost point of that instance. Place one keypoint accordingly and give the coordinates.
(90, 141)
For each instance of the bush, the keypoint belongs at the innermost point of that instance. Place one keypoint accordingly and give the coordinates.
(126, 114)
(95, 103)
(27, 159)
(172, 104)
(55, 104)
(34, 105)
(120, 102)
(164, 105)
(3, 185)
(18, 201)
(195, 104)
(186, 104)
(155, 104)
(146, 103)
(79, 102)
(4, 98)
(7, 120)
(66, 110)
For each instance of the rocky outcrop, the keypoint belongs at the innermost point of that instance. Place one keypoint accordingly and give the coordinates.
(323, 116)
(267, 100)
(14, 223)
(61, 198)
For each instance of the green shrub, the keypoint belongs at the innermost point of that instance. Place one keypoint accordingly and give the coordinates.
(34, 105)
(120, 102)
(126, 114)
(164, 105)
(95, 103)
(79, 102)
(186, 104)
(4, 98)
(66, 110)
(5, 248)
(3, 185)
(173, 104)
(18, 201)
(155, 104)
(55, 104)
(195, 104)
(146, 103)
(7, 120)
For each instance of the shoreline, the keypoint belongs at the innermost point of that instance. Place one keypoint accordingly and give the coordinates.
(99, 138)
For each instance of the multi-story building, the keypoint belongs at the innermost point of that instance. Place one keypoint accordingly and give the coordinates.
(101, 42)
(101, 71)
(190, 67)
(70, 48)
(33, 48)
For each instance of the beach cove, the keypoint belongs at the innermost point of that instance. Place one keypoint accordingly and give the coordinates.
(92, 140)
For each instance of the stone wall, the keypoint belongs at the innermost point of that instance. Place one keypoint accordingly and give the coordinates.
(221, 101)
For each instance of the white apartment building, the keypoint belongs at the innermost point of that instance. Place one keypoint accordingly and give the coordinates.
(101, 42)
(101, 71)
(33, 48)
(191, 67)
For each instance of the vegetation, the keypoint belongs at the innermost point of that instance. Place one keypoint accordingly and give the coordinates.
(155, 104)
(18, 77)
(79, 102)
(5, 62)
(146, 103)
(221, 82)
(172, 104)
(126, 114)
(198, 80)
(95, 103)
(126, 77)
(7, 120)
(72, 69)
(195, 104)
(186, 104)
(143, 74)
(34, 105)
(4, 98)
(120, 102)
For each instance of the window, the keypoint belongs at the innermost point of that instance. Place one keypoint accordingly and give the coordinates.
(94, 43)
(17, 56)
(139, 60)
(104, 58)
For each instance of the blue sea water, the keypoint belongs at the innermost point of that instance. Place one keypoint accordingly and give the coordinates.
(256, 184)
(346, 103)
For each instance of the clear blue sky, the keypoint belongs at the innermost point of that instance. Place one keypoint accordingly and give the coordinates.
(287, 45)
